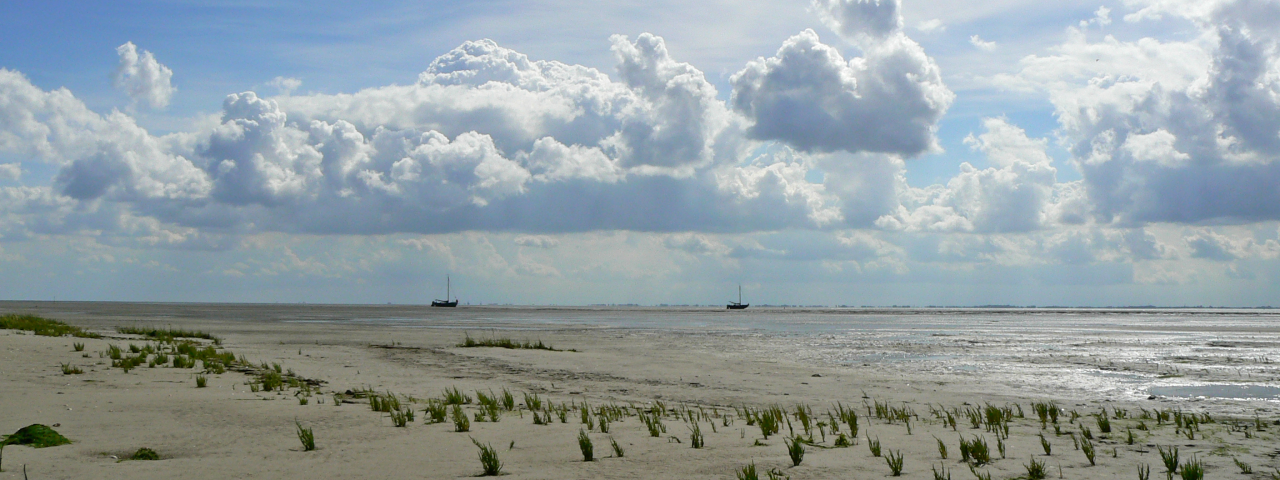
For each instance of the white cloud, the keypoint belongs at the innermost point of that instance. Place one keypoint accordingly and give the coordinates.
(982, 44)
(142, 78)
(809, 96)
(860, 20)
(10, 171)
(931, 26)
(1173, 131)
(285, 85)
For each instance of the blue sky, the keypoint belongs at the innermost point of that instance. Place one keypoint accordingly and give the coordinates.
(833, 152)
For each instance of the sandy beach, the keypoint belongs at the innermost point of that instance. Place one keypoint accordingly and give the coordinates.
(227, 430)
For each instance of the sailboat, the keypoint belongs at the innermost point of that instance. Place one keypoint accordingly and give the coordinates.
(448, 292)
(738, 305)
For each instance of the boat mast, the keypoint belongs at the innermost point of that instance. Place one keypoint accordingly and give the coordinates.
(448, 289)
(739, 293)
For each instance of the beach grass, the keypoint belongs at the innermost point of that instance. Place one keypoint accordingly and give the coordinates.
(617, 449)
(894, 459)
(306, 436)
(42, 326)
(503, 342)
(584, 444)
(795, 450)
(489, 462)
(144, 453)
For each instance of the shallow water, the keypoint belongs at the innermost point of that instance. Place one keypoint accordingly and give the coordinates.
(1223, 356)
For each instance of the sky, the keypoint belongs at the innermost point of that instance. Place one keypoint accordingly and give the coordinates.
(831, 152)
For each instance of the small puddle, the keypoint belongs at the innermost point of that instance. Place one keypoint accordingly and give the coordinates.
(1261, 392)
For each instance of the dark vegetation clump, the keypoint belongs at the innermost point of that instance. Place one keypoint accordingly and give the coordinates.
(42, 326)
(36, 436)
(504, 342)
(144, 453)
(168, 334)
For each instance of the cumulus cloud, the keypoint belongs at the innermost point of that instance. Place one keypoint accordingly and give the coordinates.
(285, 85)
(931, 26)
(537, 241)
(486, 140)
(808, 95)
(1174, 131)
(1015, 195)
(10, 171)
(982, 44)
(142, 78)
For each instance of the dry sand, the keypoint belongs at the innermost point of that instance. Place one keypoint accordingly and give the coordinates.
(227, 431)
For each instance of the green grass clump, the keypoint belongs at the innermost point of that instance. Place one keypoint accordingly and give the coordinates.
(748, 472)
(874, 446)
(168, 334)
(202, 381)
(436, 411)
(35, 436)
(508, 400)
(1170, 459)
(42, 326)
(1044, 443)
(942, 448)
(68, 369)
(795, 450)
(454, 396)
(1244, 467)
(306, 436)
(1086, 446)
(584, 444)
(894, 459)
(695, 436)
(617, 449)
(144, 453)
(940, 475)
(488, 459)
(1193, 469)
(1104, 423)
(1035, 470)
(460, 421)
(507, 343)
(77, 346)
(1144, 472)
(976, 451)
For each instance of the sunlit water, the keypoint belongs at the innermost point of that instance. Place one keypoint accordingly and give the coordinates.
(1220, 357)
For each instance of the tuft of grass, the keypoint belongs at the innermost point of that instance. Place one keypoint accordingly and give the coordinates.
(940, 475)
(874, 446)
(1044, 443)
(1244, 467)
(79, 347)
(68, 369)
(584, 444)
(1104, 423)
(1144, 472)
(460, 421)
(508, 400)
(1086, 446)
(842, 441)
(489, 459)
(1193, 469)
(942, 448)
(894, 459)
(508, 343)
(1035, 470)
(168, 334)
(795, 450)
(1170, 459)
(617, 449)
(42, 326)
(306, 436)
(202, 381)
(748, 472)
(455, 396)
(144, 453)
(695, 436)
(976, 451)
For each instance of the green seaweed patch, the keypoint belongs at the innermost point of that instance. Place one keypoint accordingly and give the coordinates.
(36, 436)
(144, 453)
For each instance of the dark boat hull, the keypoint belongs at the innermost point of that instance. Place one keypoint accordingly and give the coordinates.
(737, 306)
(444, 303)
